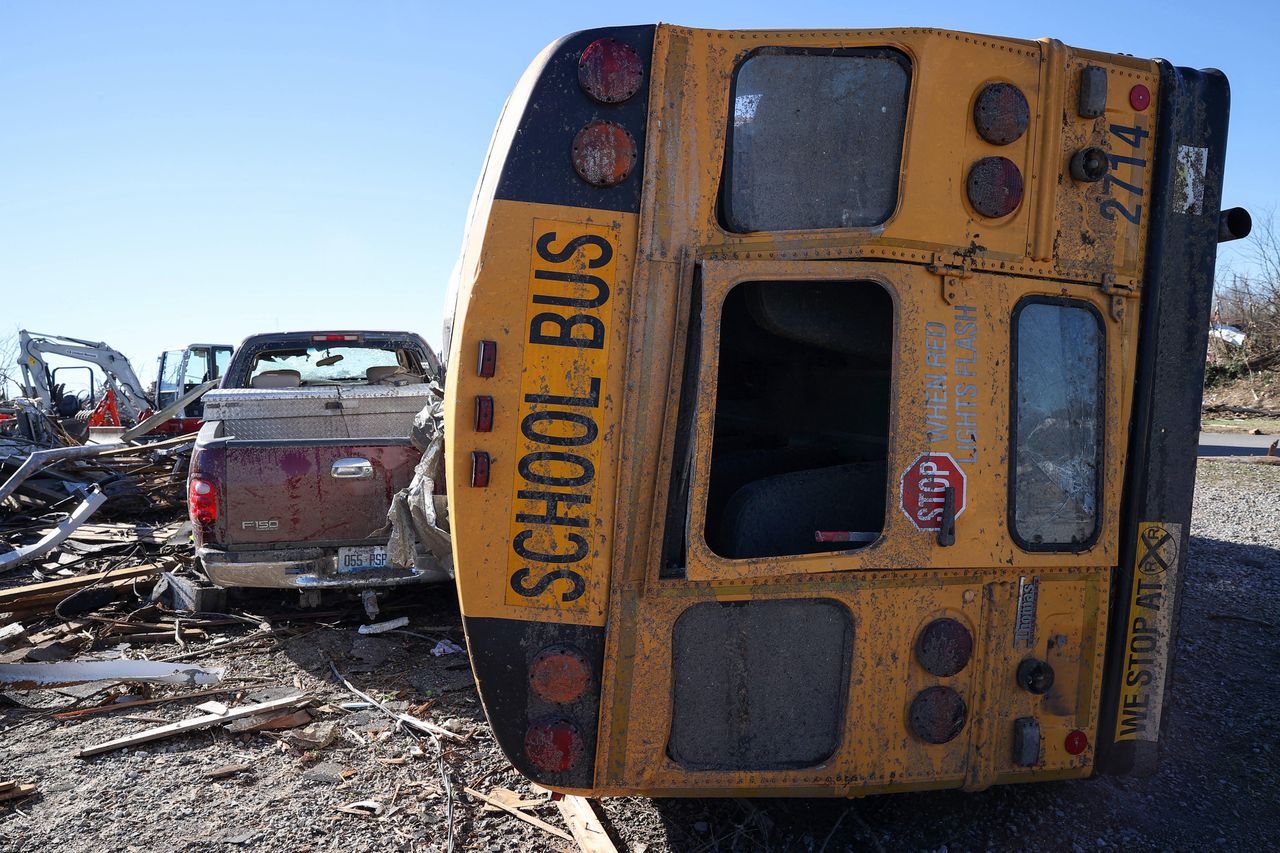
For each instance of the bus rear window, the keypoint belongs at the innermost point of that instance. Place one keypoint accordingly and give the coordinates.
(815, 139)
(1057, 423)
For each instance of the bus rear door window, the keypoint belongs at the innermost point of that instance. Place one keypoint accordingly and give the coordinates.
(1057, 425)
(798, 456)
(815, 139)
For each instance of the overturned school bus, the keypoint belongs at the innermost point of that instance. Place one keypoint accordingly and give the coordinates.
(822, 408)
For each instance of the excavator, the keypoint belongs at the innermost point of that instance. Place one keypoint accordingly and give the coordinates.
(120, 400)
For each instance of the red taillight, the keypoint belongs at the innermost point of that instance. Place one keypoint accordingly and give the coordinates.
(335, 337)
(559, 674)
(1001, 113)
(944, 647)
(604, 153)
(995, 186)
(484, 414)
(610, 71)
(1076, 742)
(937, 714)
(487, 359)
(479, 468)
(553, 745)
(202, 502)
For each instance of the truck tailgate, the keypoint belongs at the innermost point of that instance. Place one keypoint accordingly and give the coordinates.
(283, 484)
(289, 494)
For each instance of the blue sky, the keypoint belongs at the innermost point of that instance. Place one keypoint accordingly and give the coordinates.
(181, 171)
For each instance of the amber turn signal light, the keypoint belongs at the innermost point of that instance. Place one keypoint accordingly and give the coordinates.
(559, 674)
(604, 153)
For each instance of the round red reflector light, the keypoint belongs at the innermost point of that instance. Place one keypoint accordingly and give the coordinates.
(610, 71)
(1139, 97)
(1001, 113)
(553, 745)
(1076, 742)
(604, 153)
(995, 186)
(944, 647)
(559, 674)
(937, 714)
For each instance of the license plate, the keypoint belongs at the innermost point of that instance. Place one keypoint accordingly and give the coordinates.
(362, 558)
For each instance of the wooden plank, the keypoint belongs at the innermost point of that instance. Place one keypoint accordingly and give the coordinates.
(190, 725)
(527, 818)
(17, 791)
(16, 598)
(119, 706)
(227, 770)
(271, 722)
(585, 825)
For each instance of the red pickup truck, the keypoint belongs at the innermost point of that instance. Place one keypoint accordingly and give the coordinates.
(304, 445)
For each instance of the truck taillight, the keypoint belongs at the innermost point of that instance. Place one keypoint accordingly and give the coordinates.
(202, 503)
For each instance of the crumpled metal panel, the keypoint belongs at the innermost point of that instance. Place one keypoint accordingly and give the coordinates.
(417, 513)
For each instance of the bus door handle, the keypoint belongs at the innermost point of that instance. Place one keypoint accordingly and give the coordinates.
(947, 531)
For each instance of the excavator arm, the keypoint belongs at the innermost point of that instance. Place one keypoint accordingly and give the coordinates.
(118, 372)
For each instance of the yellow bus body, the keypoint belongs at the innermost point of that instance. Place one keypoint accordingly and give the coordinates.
(944, 266)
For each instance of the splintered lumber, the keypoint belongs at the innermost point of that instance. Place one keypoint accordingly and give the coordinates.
(134, 703)
(191, 725)
(39, 594)
(527, 818)
(271, 722)
(585, 825)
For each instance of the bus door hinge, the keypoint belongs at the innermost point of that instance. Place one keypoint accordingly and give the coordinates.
(951, 274)
(1118, 293)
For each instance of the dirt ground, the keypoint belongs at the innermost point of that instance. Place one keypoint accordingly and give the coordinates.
(1258, 391)
(1217, 786)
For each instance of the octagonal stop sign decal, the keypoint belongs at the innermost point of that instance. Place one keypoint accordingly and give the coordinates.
(924, 489)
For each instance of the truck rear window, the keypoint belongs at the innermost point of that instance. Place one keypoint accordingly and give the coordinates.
(322, 364)
(815, 139)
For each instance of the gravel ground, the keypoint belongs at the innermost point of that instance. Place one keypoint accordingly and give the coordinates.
(1218, 785)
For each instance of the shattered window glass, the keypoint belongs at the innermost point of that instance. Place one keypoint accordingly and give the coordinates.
(816, 139)
(325, 364)
(1057, 426)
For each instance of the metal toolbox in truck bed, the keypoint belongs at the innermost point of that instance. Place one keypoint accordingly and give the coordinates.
(362, 411)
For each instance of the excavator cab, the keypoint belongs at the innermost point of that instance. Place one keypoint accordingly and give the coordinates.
(181, 370)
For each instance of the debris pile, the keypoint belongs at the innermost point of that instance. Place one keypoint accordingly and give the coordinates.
(50, 486)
